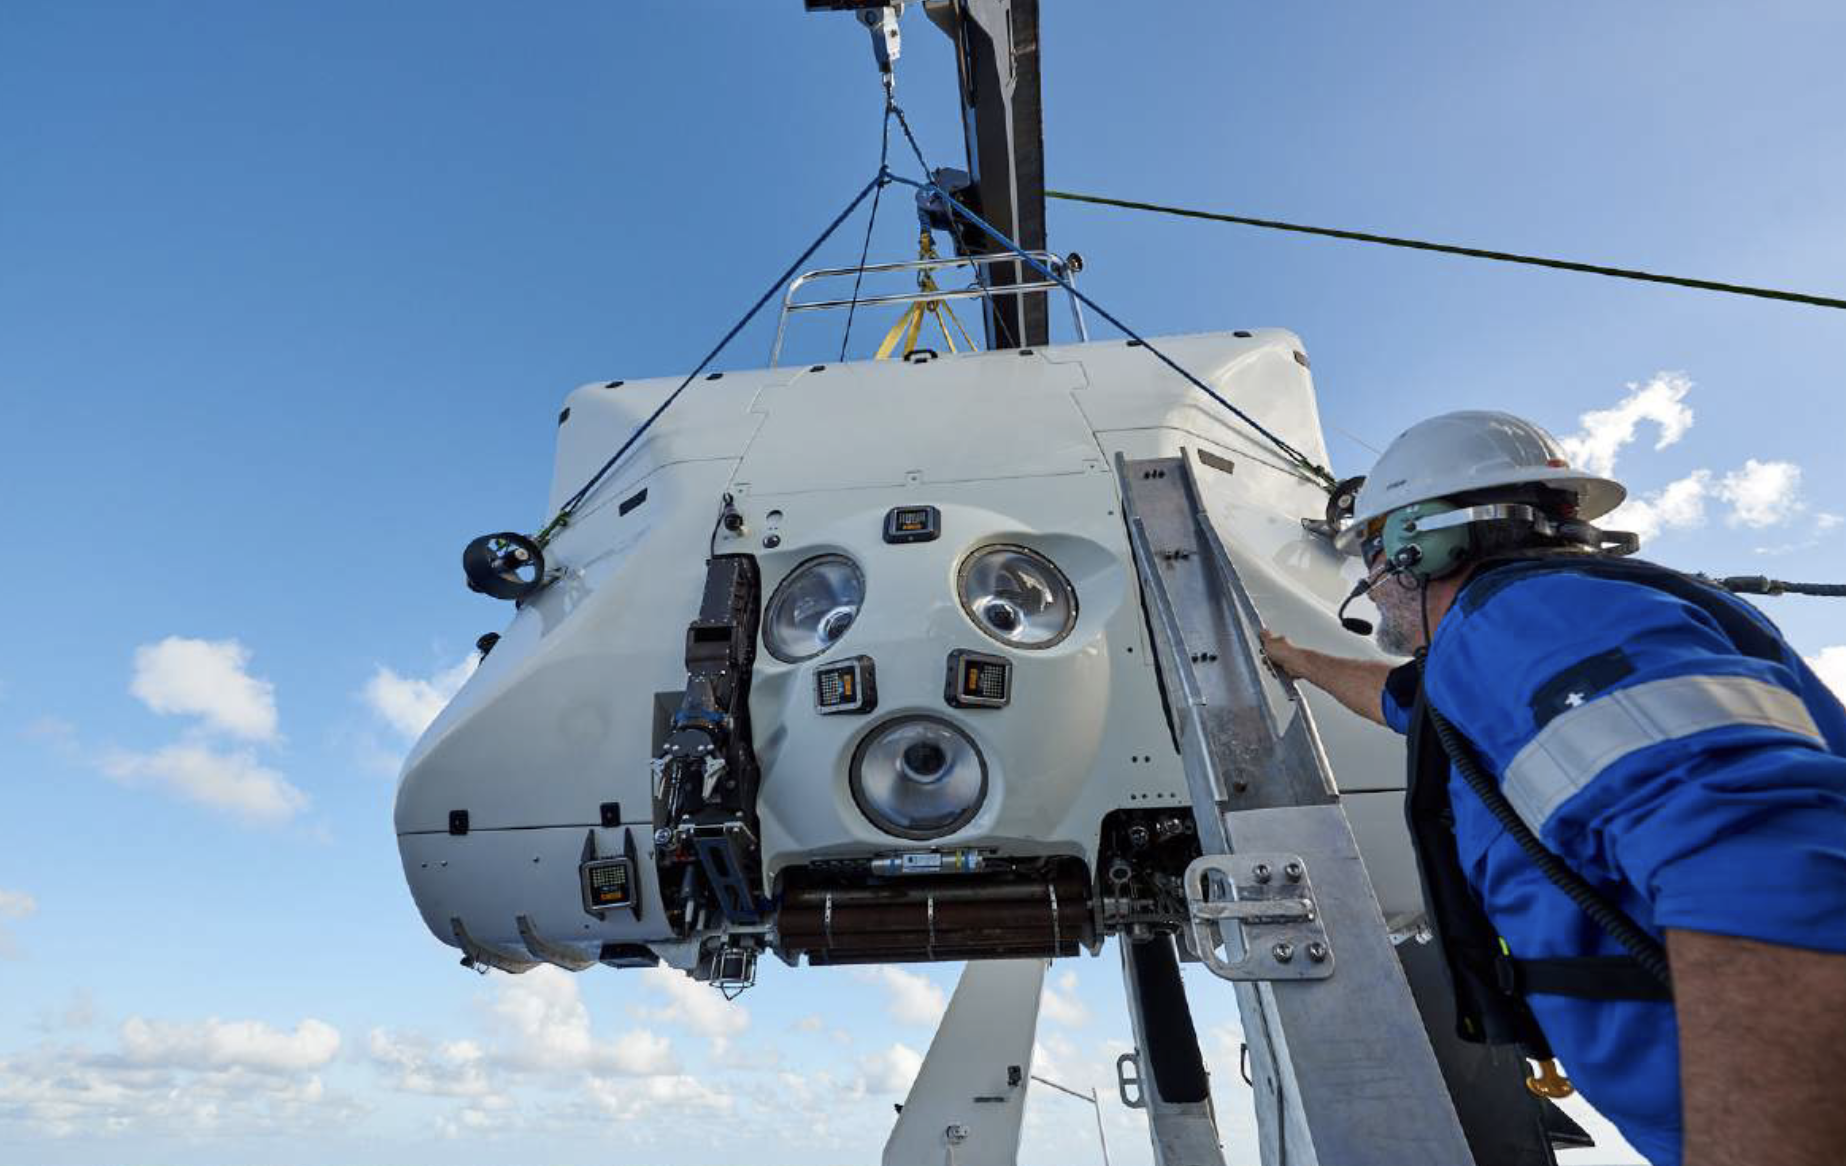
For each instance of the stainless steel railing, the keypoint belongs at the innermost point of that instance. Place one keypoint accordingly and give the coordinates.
(1054, 262)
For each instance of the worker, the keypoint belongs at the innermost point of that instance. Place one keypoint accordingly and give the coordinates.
(1647, 876)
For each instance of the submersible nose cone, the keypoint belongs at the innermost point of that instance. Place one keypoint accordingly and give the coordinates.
(924, 759)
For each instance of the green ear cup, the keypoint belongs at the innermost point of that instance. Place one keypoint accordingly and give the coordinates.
(1425, 554)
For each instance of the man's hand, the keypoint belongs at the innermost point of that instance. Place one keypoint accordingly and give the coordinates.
(1286, 658)
(1357, 684)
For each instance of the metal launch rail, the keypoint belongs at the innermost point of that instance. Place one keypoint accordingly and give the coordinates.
(1281, 904)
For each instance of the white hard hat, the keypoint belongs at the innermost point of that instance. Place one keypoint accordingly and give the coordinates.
(1460, 453)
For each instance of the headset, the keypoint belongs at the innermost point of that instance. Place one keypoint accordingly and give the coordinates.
(1437, 537)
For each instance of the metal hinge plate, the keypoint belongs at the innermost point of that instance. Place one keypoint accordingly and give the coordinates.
(1254, 918)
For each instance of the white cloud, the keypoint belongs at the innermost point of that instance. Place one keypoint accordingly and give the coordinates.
(1758, 494)
(1762, 493)
(909, 997)
(656, 1097)
(239, 1044)
(1830, 665)
(692, 1005)
(1059, 1004)
(207, 1078)
(452, 1069)
(234, 782)
(1603, 433)
(1677, 505)
(812, 1022)
(890, 1071)
(547, 1027)
(541, 1039)
(206, 679)
(409, 703)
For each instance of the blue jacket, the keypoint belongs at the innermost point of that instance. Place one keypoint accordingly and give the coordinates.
(1697, 787)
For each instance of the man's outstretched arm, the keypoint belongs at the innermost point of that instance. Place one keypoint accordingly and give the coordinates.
(1357, 684)
(1762, 1050)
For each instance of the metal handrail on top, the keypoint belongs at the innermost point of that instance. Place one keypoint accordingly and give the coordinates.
(1055, 262)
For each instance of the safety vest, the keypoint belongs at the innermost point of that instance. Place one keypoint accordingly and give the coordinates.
(1490, 984)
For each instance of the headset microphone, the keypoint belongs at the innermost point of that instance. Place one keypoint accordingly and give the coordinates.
(1352, 624)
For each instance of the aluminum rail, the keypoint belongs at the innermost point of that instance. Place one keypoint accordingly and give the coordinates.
(1344, 1069)
(790, 306)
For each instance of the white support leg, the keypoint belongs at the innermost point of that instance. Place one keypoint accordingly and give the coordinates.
(970, 1095)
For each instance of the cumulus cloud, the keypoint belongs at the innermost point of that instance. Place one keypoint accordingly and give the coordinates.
(677, 1094)
(539, 1037)
(409, 703)
(1603, 433)
(206, 679)
(1058, 1002)
(210, 1077)
(546, 1028)
(1830, 666)
(692, 1006)
(909, 997)
(209, 681)
(1762, 493)
(450, 1069)
(1757, 494)
(1677, 505)
(233, 782)
(891, 1070)
(239, 1044)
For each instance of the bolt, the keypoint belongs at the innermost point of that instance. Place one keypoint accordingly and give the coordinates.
(1283, 952)
(662, 836)
(772, 541)
(1260, 872)
(1293, 871)
(1317, 951)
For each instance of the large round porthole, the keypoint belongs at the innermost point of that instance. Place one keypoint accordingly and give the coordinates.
(918, 777)
(1017, 596)
(812, 608)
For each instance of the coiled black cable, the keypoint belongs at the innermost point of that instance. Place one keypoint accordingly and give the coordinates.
(1645, 949)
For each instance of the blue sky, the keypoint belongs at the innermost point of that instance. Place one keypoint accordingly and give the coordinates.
(289, 295)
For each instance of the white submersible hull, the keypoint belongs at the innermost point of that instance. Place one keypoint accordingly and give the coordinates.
(895, 700)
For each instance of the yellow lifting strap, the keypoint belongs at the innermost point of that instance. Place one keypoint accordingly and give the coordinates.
(909, 326)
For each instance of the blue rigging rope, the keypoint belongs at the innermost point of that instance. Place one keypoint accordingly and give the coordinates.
(1307, 464)
(879, 181)
(575, 500)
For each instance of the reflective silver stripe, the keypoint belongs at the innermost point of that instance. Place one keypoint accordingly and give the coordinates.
(1580, 743)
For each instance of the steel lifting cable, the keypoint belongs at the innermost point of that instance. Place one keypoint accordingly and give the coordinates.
(1735, 289)
(883, 180)
(1307, 465)
(575, 500)
(929, 174)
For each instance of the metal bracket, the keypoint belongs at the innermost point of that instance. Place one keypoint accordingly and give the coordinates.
(478, 956)
(1278, 934)
(1126, 1080)
(568, 958)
